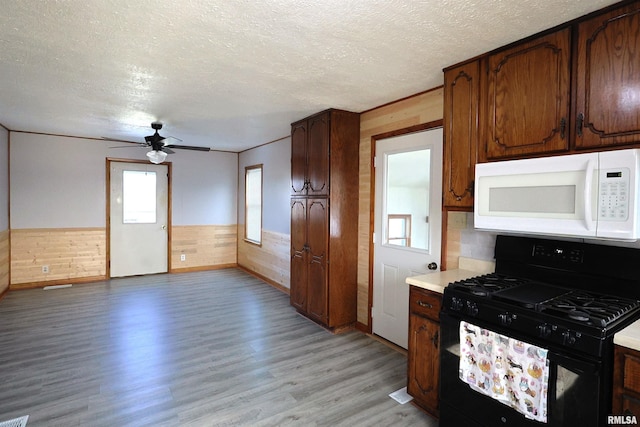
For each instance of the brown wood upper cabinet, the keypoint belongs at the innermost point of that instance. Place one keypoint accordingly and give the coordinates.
(608, 79)
(461, 89)
(310, 156)
(528, 97)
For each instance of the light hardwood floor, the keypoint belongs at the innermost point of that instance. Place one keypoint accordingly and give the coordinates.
(194, 349)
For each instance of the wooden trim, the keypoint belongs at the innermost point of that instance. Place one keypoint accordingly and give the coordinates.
(9, 203)
(262, 145)
(372, 213)
(402, 99)
(41, 284)
(363, 328)
(92, 138)
(47, 230)
(266, 280)
(107, 252)
(443, 243)
(202, 268)
(411, 129)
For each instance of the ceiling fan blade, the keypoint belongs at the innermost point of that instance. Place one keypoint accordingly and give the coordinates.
(188, 147)
(119, 140)
(129, 146)
(174, 138)
(168, 150)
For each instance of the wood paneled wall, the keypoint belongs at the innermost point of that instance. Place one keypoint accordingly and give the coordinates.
(204, 246)
(456, 222)
(4, 261)
(72, 255)
(270, 261)
(419, 109)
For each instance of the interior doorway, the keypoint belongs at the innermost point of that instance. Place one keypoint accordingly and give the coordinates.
(138, 218)
(407, 224)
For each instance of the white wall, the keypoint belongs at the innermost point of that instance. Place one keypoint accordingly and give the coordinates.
(60, 182)
(4, 179)
(276, 184)
(205, 188)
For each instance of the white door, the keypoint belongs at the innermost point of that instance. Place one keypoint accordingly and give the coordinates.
(407, 225)
(138, 236)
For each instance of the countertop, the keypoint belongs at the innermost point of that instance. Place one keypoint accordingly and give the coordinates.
(436, 282)
(629, 337)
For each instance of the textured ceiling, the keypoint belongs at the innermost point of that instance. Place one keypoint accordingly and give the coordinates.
(233, 74)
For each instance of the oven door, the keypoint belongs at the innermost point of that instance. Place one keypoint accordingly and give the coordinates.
(573, 391)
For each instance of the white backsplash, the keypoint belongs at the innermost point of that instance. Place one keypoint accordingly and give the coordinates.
(476, 244)
(480, 244)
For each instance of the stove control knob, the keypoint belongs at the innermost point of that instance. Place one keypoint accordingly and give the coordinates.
(505, 319)
(569, 337)
(456, 304)
(472, 309)
(544, 330)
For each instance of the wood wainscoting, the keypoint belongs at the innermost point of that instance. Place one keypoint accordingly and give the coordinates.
(413, 111)
(205, 247)
(71, 255)
(269, 261)
(4, 261)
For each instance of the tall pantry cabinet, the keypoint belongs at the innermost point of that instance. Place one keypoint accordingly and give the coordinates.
(324, 217)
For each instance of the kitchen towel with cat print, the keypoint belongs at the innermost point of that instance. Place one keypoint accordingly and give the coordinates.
(510, 371)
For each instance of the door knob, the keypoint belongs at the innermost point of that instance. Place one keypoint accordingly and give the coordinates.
(432, 266)
(164, 227)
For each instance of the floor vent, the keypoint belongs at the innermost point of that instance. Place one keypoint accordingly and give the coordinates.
(16, 422)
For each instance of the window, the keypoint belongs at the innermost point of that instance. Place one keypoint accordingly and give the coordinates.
(253, 204)
(399, 229)
(138, 197)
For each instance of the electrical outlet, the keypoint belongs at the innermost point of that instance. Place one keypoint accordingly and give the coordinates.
(45, 269)
(183, 257)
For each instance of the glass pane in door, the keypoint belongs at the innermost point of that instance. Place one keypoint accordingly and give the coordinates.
(407, 199)
(138, 197)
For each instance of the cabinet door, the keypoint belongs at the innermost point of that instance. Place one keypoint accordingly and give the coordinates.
(298, 158)
(528, 98)
(317, 241)
(461, 90)
(318, 155)
(607, 79)
(299, 264)
(424, 362)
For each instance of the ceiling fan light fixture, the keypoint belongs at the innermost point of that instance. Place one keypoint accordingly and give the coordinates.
(156, 157)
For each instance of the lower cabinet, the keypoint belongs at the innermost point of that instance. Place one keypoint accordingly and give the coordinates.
(626, 382)
(423, 373)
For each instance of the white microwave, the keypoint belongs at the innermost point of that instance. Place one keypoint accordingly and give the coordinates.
(588, 195)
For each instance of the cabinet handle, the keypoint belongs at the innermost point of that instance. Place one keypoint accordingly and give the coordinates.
(563, 126)
(424, 304)
(579, 122)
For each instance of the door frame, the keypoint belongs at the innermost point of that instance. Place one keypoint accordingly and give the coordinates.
(110, 160)
(372, 192)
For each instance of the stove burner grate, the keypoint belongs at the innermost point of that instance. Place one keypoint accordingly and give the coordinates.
(590, 308)
(487, 284)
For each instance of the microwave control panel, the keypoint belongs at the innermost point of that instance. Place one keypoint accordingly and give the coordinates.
(613, 194)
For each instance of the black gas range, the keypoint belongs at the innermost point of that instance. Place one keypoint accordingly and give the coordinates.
(563, 299)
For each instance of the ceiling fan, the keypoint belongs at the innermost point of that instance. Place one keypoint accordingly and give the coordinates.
(159, 146)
